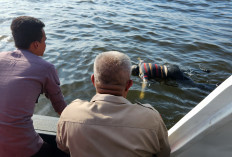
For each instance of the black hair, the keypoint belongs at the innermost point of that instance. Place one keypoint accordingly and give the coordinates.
(135, 70)
(25, 30)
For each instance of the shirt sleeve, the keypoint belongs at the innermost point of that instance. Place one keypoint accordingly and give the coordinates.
(59, 138)
(52, 90)
(163, 140)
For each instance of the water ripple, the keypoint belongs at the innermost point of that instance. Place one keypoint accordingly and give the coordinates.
(190, 34)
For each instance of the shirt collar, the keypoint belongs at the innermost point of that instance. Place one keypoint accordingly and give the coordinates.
(23, 50)
(110, 98)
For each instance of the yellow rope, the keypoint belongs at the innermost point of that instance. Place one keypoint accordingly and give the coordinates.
(144, 84)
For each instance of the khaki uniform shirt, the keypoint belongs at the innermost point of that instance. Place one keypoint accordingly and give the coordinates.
(111, 126)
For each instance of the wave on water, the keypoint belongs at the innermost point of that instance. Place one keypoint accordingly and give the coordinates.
(190, 34)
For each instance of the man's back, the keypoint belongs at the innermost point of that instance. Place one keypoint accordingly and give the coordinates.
(22, 75)
(111, 126)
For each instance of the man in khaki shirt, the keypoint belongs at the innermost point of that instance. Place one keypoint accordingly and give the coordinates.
(109, 125)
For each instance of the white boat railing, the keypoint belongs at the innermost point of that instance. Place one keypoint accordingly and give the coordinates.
(206, 129)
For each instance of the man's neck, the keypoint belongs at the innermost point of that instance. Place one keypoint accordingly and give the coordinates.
(116, 90)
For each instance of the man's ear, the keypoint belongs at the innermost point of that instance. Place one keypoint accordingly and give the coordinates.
(92, 79)
(129, 84)
(35, 44)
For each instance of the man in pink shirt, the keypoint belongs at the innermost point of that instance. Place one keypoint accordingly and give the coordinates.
(23, 77)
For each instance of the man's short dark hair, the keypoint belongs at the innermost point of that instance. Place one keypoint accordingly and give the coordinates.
(25, 30)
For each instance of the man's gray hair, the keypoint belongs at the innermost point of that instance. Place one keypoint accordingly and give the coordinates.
(112, 67)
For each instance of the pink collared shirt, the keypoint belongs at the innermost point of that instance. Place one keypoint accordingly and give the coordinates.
(23, 77)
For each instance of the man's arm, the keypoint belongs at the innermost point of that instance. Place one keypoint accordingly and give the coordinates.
(52, 90)
(163, 140)
(60, 140)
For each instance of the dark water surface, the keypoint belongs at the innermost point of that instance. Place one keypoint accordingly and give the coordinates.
(192, 34)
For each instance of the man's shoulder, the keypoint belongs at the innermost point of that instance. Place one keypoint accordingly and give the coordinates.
(75, 105)
(148, 110)
(41, 61)
(32, 58)
(78, 101)
(26, 56)
(148, 106)
(75, 110)
(5, 53)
